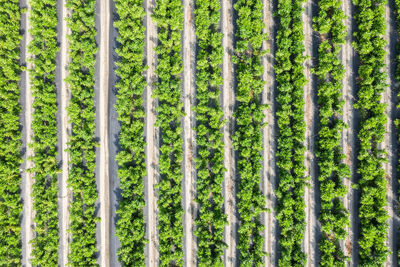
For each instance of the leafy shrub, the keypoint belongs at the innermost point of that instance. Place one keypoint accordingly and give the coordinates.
(131, 158)
(43, 49)
(169, 17)
(210, 159)
(369, 43)
(10, 134)
(289, 69)
(81, 180)
(330, 73)
(248, 136)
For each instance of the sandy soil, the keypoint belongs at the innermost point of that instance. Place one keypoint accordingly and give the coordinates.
(189, 47)
(349, 137)
(102, 109)
(310, 91)
(269, 133)
(230, 256)
(390, 144)
(152, 135)
(65, 131)
(113, 142)
(27, 178)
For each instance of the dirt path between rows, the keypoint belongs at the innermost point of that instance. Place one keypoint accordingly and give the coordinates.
(269, 174)
(103, 126)
(65, 132)
(228, 102)
(27, 182)
(189, 48)
(312, 228)
(349, 133)
(152, 135)
(390, 144)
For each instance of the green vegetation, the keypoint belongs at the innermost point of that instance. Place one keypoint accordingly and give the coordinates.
(169, 17)
(210, 158)
(43, 49)
(81, 180)
(10, 134)
(290, 79)
(248, 137)
(330, 73)
(370, 19)
(131, 158)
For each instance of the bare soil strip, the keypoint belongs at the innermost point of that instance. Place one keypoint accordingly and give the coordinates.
(310, 240)
(103, 126)
(389, 97)
(65, 132)
(28, 177)
(228, 102)
(349, 133)
(269, 174)
(151, 139)
(189, 47)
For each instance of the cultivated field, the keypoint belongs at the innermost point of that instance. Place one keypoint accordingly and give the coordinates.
(199, 133)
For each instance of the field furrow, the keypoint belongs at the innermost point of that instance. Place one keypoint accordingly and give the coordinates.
(269, 171)
(228, 103)
(152, 139)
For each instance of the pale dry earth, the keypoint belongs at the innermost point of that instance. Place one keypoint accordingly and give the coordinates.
(64, 127)
(152, 141)
(102, 110)
(188, 185)
(390, 144)
(27, 109)
(310, 243)
(228, 103)
(348, 136)
(269, 175)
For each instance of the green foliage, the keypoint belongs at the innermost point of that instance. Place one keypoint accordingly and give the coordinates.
(370, 19)
(81, 180)
(131, 158)
(210, 146)
(43, 49)
(290, 79)
(169, 17)
(330, 73)
(248, 137)
(10, 134)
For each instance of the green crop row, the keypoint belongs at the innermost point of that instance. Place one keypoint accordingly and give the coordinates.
(82, 144)
(210, 146)
(289, 69)
(131, 158)
(247, 139)
(10, 134)
(43, 48)
(332, 171)
(369, 43)
(169, 17)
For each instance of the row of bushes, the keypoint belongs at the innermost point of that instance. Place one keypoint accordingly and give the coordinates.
(289, 69)
(210, 146)
(82, 144)
(43, 49)
(247, 140)
(10, 134)
(329, 24)
(369, 44)
(131, 157)
(168, 15)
